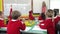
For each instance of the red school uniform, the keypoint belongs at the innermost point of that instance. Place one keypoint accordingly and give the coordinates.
(48, 24)
(40, 18)
(56, 19)
(2, 23)
(31, 15)
(14, 27)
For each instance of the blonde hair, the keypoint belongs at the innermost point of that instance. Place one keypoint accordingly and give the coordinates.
(43, 3)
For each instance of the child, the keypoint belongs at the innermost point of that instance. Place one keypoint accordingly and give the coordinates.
(15, 25)
(31, 15)
(57, 23)
(44, 8)
(42, 17)
(1, 20)
(48, 23)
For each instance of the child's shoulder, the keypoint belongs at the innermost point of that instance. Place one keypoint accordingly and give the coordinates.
(19, 21)
(48, 18)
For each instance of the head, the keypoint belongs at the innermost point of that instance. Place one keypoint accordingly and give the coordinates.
(1, 14)
(43, 4)
(16, 15)
(30, 11)
(50, 13)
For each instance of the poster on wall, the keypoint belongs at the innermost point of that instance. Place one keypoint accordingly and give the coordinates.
(37, 5)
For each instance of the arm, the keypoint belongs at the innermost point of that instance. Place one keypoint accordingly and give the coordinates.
(56, 20)
(44, 24)
(22, 26)
(2, 23)
(40, 18)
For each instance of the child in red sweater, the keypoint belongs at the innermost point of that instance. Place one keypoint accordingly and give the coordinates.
(31, 15)
(48, 23)
(15, 25)
(1, 20)
(42, 17)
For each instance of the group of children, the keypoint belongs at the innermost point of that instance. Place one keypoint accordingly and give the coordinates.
(15, 24)
(50, 22)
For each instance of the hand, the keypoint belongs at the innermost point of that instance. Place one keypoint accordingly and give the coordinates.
(23, 20)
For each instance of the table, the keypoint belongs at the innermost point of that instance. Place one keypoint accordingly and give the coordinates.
(35, 29)
(28, 30)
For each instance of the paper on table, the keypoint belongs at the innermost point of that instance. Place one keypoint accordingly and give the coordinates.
(4, 28)
(38, 28)
(27, 29)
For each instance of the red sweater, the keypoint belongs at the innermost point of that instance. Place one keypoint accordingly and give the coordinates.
(56, 20)
(48, 24)
(2, 23)
(14, 27)
(40, 18)
(31, 17)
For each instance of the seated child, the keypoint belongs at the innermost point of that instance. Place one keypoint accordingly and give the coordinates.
(48, 23)
(1, 19)
(42, 17)
(15, 24)
(31, 15)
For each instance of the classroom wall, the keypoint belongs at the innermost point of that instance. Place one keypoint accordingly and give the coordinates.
(24, 6)
(37, 5)
(55, 4)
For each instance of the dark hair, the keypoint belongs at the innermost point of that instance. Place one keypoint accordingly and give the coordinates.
(0, 12)
(15, 14)
(43, 16)
(50, 10)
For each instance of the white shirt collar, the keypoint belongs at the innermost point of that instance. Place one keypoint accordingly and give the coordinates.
(13, 20)
(55, 17)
